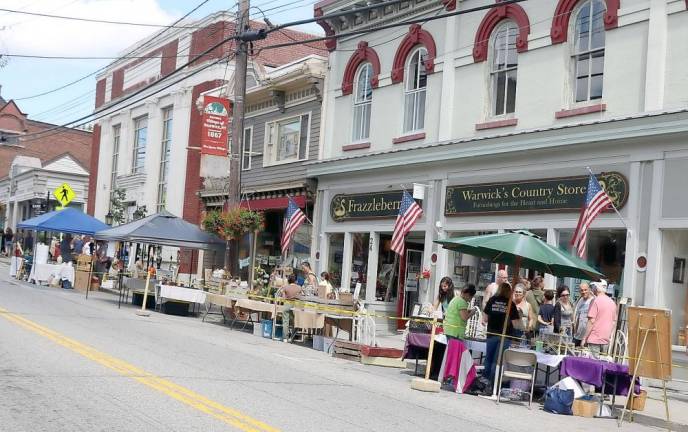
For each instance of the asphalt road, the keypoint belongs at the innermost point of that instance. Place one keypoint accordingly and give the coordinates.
(71, 364)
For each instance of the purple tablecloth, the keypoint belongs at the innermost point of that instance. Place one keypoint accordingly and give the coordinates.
(596, 372)
(416, 346)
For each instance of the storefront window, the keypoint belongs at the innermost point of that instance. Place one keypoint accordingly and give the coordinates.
(359, 262)
(387, 270)
(334, 258)
(606, 251)
(467, 269)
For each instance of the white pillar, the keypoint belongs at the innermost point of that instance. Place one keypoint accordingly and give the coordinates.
(655, 65)
(346, 261)
(552, 240)
(631, 276)
(373, 257)
(448, 78)
(654, 243)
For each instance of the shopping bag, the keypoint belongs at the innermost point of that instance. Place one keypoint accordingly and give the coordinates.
(558, 401)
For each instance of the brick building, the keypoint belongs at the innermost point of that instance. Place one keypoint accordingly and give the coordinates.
(35, 158)
(151, 148)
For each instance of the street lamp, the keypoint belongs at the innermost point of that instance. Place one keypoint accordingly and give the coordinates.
(108, 218)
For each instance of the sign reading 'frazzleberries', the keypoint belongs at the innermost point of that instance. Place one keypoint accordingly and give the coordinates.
(215, 123)
(365, 206)
(557, 195)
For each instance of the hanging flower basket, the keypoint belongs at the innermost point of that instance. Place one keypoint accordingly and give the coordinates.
(233, 224)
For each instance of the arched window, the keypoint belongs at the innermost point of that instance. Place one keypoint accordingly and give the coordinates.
(363, 99)
(588, 50)
(414, 90)
(503, 70)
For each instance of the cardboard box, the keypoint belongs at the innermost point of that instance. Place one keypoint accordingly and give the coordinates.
(81, 281)
(586, 408)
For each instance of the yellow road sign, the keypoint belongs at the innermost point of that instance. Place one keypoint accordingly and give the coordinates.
(64, 194)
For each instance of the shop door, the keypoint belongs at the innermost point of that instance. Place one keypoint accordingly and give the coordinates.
(412, 268)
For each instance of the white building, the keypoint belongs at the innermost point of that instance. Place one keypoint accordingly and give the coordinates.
(493, 110)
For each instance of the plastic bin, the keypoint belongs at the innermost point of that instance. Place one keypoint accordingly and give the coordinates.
(266, 325)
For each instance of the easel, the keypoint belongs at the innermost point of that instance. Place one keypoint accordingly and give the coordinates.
(644, 332)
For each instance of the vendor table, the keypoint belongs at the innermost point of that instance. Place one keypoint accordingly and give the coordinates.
(255, 306)
(223, 301)
(42, 272)
(549, 361)
(308, 319)
(190, 295)
(601, 374)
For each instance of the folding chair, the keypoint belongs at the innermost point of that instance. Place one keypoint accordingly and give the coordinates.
(520, 359)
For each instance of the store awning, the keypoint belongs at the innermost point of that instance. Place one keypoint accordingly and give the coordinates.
(273, 203)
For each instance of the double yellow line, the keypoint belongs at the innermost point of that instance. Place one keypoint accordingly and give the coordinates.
(214, 409)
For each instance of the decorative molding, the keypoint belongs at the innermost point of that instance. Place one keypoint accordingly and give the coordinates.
(330, 44)
(496, 124)
(580, 111)
(357, 146)
(562, 14)
(408, 138)
(416, 36)
(495, 16)
(362, 54)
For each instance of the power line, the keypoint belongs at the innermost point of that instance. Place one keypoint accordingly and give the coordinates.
(78, 80)
(93, 20)
(143, 89)
(96, 115)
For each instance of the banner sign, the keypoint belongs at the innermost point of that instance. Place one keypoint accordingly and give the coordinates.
(365, 206)
(215, 123)
(565, 194)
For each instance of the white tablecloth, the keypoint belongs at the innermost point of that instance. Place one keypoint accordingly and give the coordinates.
(42, 272)
(551, 360)
(182, 294)
(473, 345)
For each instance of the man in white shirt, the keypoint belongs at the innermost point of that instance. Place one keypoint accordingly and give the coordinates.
(491, 289)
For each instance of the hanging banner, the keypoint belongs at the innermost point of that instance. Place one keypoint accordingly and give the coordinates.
(215, 124)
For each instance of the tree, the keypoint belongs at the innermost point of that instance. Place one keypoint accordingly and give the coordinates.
(117, 206)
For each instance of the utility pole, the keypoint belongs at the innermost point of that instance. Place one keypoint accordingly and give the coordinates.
(240, 66)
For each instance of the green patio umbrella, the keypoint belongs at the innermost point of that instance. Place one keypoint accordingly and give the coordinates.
(523, 249)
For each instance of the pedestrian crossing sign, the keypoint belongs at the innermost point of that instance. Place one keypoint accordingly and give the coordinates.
(64, 194)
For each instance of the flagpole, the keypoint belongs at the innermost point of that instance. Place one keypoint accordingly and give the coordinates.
(610, 201)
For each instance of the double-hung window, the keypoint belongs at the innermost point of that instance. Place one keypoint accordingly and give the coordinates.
(247, 152)
(363, 100)
(414, 91)
(504, 68)
(287, 140)
(116, 130)
(588, 56)
(140, 142)
(164, 157)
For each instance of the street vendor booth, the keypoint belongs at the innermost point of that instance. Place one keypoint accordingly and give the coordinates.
(70, 221)
(164, 229)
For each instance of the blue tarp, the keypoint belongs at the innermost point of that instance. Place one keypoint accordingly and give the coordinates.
(68, 220)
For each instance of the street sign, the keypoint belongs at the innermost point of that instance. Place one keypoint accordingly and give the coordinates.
(64, 194)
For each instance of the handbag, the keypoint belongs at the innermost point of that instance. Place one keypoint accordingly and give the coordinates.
(558, 401)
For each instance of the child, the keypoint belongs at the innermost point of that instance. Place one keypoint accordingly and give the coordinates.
(546, 314)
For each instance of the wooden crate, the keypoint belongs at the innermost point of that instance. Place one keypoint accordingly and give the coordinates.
(347, 350)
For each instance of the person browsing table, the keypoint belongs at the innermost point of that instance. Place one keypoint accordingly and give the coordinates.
(289, 292)
(458, 313)
(580, 313)
(445, 296)
(601, 320)
(497, 311)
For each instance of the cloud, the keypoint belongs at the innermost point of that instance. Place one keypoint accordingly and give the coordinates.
(25, 34)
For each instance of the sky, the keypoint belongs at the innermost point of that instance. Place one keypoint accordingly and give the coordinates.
(22, 78)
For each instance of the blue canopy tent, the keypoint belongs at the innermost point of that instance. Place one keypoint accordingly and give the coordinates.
(68, 220)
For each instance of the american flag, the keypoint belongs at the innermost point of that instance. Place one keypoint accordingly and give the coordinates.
(293, 219)
(596, 200)
(409, 213)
